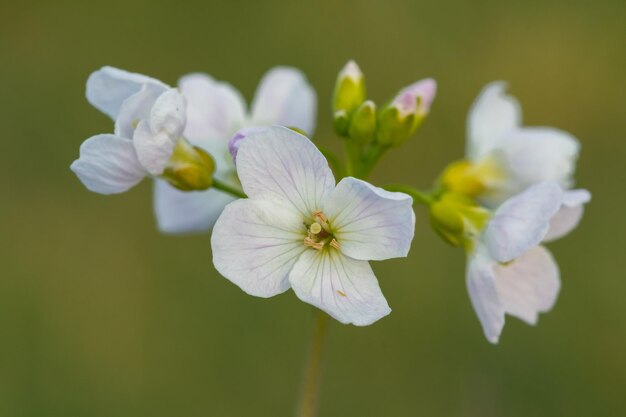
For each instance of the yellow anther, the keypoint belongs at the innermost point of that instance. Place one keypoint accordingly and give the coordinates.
(341, 293)
(335, 244)
(315, 228)
(313, 244)
(319, 215)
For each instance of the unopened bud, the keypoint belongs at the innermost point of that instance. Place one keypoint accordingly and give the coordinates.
(349, 95)
(190, 168)
(406, 112)
(471, 179)
(458, 219)
(363, 124)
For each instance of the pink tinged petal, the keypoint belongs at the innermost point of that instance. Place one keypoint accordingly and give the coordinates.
(345, 288)
(537, 154)
(407, 100)
(492, 115)
(370, 223)
(522, 222)
(108, 164)
(235, 142)
(154, 150)
(179, 212)
(255, 245)
(278, 164)
(569, 215)
(108, 87)
(284, 97)
(529, 285)
(215, 109)
(484, 296)
(135, 108)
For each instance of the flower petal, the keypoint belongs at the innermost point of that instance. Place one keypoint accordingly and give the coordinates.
(284, 97)
(215, 109)
(108, 87)
(108, 164)
(492, 114)
(370, 223)
(255, 245)
(569, 215)
(135, 108)
(529, 285)
(521, 222)
(153, 150)
(169, 113)
(278, 164)
(345, 288)
(483, 294)
(537, 154)
(180, 212)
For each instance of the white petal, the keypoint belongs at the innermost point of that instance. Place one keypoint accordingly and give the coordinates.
(345, 288)
(255, 245)
(108, 87)
(529, 285)
(284, 97)
(483, 294)
(533, 155)
(108, 164)
(215, 109)
(492, 114)
(135, 108)
(521, 222)
(569, 215)
(279, 164)
(169, 113)
(154, 150)
(179, 212)
(370, 223)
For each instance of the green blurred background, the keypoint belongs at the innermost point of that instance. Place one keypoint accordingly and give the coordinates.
(100, 315)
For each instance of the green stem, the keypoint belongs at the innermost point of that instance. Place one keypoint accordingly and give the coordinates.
(352, 157)
(421, 197)
(222, 186)
(370, 160)
(311, 379)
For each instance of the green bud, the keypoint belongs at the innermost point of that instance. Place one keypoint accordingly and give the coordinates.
(190, 168)
(458, 219)
(363, 124)
(393, 127)
(348, 96)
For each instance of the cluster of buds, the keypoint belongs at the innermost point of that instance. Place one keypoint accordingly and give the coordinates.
(358, 118)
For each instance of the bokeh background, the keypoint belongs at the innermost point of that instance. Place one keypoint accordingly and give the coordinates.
(100, 315)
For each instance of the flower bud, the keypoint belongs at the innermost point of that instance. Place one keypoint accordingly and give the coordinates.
(401, 118)
(349, 95)
(471, 179)
(189, 168)
(363, 123)
(458, 219)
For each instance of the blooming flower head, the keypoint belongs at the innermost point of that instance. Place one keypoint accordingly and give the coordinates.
(509, 271)
(149, 121)
(299, 230)
(216, 111)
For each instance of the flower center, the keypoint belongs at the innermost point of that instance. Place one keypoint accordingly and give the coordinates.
(319, 232)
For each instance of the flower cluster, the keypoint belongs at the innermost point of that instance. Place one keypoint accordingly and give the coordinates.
(285, 215)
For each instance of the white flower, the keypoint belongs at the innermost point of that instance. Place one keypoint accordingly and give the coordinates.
(149, 119)
(298, 230)
(509, 157)
(509, 271)
(216, 111)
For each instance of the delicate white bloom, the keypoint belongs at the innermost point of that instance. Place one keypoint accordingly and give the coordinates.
(299, 230)
(149, 119)
(216, 111)
(508, 269)
(511, 157)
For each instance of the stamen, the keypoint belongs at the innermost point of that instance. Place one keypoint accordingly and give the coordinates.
(315, 228)
(318, 214)
(335, 244)
(313, 244)
(341, 293)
